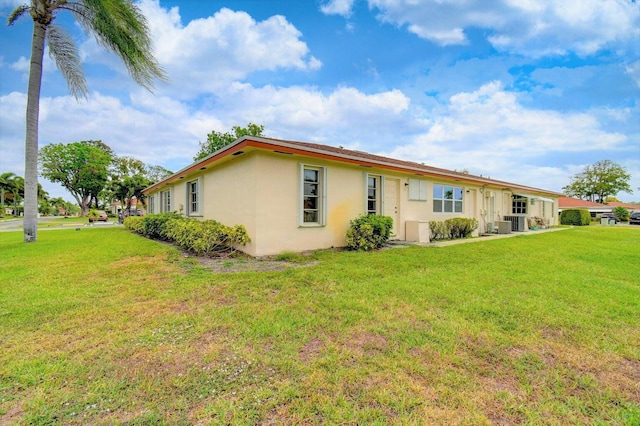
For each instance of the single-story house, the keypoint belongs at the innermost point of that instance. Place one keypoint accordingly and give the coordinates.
(594, 208)
(297, 196)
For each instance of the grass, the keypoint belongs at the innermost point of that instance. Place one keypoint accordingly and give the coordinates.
(102, 326)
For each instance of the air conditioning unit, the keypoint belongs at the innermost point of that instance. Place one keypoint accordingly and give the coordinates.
(517, 222)
(504, 226)
(490, 228)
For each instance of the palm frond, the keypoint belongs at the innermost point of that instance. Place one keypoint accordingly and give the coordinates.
(65, 53)
(121, 28)
(17, 13)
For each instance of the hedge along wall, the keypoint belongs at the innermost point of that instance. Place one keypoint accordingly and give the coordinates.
(204, 238)
(576, 217)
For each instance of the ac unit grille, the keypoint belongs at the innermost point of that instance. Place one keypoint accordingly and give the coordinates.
(517, 222)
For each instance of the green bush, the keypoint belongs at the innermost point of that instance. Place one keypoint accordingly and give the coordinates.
(621, 214)
(369, 232)
(205, 238)
(457, 227)
(134, 224)
(154, 225)
(576, 217)
(461, 227)
(439, 230)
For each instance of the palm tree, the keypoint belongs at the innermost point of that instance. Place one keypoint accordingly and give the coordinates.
(118, 26)
(17, 192)
(5, 185)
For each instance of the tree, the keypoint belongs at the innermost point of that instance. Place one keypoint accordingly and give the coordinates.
(128, 180)
(218, 140)
(16, 192)
(6, 181)
(118, 25)
(157, 173)
(80, 167)
(599, 180)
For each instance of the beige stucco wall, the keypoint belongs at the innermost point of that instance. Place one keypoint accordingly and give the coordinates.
(261, 191)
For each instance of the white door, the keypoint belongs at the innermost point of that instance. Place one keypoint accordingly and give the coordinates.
(392, 204)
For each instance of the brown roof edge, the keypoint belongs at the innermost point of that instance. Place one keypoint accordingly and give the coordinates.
(348, 156)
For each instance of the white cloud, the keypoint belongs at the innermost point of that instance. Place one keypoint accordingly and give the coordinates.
(634, 71)
(525, 27)
(489, 132)
(337, 7)
(209, 53)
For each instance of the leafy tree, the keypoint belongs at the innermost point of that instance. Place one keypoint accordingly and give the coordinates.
(80, 167)
(118, 25)
(218, 140)
(621, 214)
(599, 180)
(16, 192)
(128, 180)
(157, 173)
(6, 182)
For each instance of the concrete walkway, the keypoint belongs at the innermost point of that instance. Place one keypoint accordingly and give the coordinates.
(484, 237)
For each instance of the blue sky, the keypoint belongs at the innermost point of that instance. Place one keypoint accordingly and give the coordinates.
(525, 91)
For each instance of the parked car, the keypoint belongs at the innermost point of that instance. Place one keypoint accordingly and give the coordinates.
(102, 217)
(609, 216)
(634, 219)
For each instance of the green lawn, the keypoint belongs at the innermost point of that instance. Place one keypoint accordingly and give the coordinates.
(102, 326)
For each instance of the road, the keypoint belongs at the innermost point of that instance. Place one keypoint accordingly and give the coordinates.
(16, 224)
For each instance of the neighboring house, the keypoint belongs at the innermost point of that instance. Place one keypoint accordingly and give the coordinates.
(297, 196)
(595, 209)
(116, 206)
(628, 206)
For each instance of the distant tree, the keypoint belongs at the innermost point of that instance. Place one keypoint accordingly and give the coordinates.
(611, 199)
(218, 140)
(80, 167)
(117, 25)
(128, 178)
(16, 192)
(157, 173)
(6, 182)
(621, 214)
(598, 181)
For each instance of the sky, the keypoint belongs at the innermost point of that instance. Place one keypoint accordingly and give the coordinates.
(526, 91)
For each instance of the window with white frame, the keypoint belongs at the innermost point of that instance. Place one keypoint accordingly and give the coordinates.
(312, 195)
(165, 201)
(417, 190)
(193, 197)
(519, 205)
(151, 203)
(374, 194)
(447, 199)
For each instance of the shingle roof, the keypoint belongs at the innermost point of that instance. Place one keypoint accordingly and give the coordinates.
(345, 155)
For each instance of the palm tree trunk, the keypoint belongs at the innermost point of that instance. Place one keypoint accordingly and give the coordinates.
(31, 142)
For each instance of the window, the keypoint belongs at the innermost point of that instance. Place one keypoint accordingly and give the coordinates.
(165, 201)
(417, 190)
(519, 205)
(193, 198)
(373, 194)
(312, 200)
(152, 200)
(447, 199)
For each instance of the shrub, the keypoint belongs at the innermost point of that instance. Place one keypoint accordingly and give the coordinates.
(154, 225)
(621, 214)
(576, 217)
(461, 227)
(457, 227)
(134, 224)
(205, 238)
(369, 232)
(439, 230)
